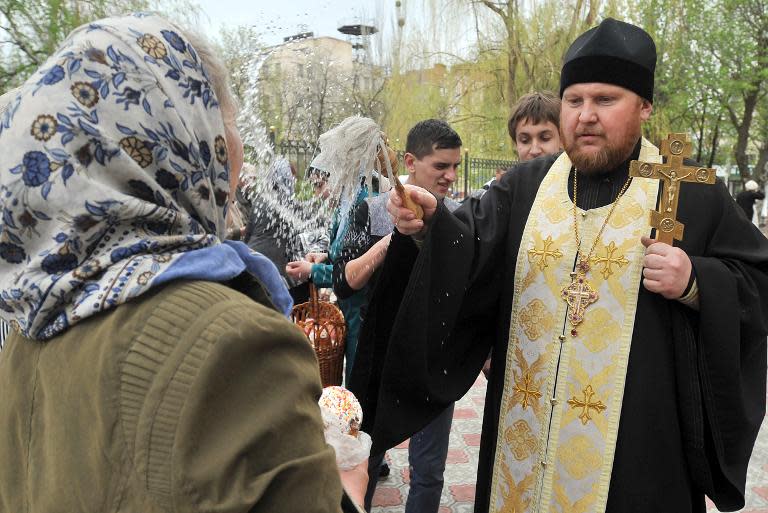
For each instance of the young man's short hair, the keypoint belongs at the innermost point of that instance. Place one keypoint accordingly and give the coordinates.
(538, 107)
(430, 135)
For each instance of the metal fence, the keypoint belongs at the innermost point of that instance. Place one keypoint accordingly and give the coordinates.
(473, 173)
(298, 153)
(477, 170)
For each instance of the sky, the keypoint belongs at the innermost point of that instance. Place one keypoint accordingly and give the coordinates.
(276, 19)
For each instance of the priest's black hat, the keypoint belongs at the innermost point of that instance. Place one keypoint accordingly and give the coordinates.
(614, 52)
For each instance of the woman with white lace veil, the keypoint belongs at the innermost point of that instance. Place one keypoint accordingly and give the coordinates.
(347, 159)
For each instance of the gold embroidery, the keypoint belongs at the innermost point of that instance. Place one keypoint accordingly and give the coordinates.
(526, 390)
(553, 209)
(608, 260)
(521, 440)
(630, 211)
(516, 497)
(586, 404)
(535, 319)
(580, 294)
(600, 330)
(529, 279)
(528, 394)
(600, 359)
(584, 504)
(539, 256)
(580, 457)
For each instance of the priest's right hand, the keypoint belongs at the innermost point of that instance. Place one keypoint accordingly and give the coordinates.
(404, 218)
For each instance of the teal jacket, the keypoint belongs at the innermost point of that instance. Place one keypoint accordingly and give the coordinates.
(322, 277)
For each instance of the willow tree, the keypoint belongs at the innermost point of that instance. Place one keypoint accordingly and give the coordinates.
(518, 48)
(535, 36)
(414, 95)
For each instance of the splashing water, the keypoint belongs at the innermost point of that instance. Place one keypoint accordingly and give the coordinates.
(347, 155)
(274, 205)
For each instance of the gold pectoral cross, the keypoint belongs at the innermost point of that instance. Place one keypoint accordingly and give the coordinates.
(579, 295)
(675, 148)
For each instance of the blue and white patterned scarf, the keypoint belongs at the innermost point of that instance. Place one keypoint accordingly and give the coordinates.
(113, 171)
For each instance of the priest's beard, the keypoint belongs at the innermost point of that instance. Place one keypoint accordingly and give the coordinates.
(608, 158)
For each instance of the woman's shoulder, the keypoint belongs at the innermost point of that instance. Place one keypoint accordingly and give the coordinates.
(202, 301)
(221, 351)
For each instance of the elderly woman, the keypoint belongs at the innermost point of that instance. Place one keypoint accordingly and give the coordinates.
(151, 367)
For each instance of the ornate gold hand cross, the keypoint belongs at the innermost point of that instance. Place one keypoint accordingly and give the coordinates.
(675, 148)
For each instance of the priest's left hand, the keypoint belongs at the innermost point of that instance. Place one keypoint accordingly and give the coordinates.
(667, 269)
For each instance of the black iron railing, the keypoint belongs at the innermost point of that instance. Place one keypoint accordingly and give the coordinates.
(473, 173)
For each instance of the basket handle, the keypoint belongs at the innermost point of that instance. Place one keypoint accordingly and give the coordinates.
(314, 303)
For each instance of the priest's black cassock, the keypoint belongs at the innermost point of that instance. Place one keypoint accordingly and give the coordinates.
(695, 393)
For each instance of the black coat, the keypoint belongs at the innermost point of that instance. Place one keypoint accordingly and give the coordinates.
(746, 200)
(694, 396)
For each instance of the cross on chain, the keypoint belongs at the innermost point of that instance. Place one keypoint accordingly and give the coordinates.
(608, 260)
(527, 390)
(675, 148)
(586, 404)
(579, 295)
(539, 256)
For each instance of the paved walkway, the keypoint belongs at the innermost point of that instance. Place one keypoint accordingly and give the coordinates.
(459, 490)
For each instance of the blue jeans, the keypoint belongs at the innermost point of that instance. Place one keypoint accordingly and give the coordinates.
(427, 452)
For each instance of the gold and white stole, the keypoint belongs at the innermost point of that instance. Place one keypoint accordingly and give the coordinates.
(562, 397)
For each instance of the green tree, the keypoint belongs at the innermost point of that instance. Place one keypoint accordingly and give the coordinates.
(740, 46)
(535, 36)
(31, 30)
(712, 75)
(239, 47)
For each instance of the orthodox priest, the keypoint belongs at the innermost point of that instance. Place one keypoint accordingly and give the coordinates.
(641, 392)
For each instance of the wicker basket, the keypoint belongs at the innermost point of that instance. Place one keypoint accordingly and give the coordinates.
(324, 325)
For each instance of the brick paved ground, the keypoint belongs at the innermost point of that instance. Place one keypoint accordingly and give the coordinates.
(459, 490)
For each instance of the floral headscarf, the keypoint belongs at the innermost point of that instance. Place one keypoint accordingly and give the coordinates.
(113, 167)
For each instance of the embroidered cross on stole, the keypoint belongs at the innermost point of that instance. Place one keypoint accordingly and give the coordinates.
(562, 396)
